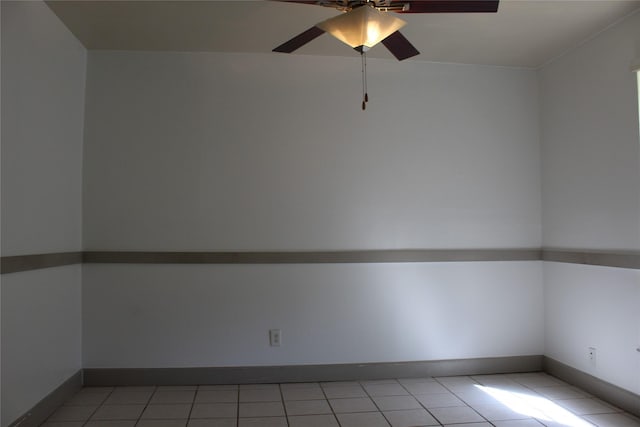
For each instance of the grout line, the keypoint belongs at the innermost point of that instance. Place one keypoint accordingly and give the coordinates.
(193, 402)
(420, 403)
(146, 405)
(468, 405)
(374, 403)
(97, 407)
(484, 385)
(335, 416)
(284, 408)
(238, 408)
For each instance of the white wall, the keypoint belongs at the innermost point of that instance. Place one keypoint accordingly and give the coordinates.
(41, 335)
(202, 151)
(43, 79)
(589, 306)
(591, 201)
(196, 315)
(272, 152)
(589, 128)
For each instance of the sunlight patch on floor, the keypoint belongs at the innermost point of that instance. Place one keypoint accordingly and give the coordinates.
(535, 407)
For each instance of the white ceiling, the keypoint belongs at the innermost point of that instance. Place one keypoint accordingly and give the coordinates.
(524, 33)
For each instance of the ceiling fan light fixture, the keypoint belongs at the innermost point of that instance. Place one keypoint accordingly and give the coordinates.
(362, 27)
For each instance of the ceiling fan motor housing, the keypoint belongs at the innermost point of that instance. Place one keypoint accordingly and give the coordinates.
(362, 27)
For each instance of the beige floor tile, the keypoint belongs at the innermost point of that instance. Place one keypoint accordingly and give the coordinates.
(313, 393)
(425, 388)
(129, 397)
(499, 412)
(73, 413)
(63, 424)
(306, 404)
(456, 415)
(392, 389)
(260, 387)
(327, 420)
(469, 425)
(410, 418)
(261, 409)
(218, 387)
(407, 381)
(213, 422)
(294, 386)
(161, 423)
(517, 423)
(363, 419)
(214, 410)
(439, 400)
(87, 399)
(343, 392)
(172, 396)
(118, 412)
(587, 406)
(613, 420)
(562, 392)
(260, 395)
(307, 407)
(216, 396)
(111, 423)
(355, 404)
(396, 403)
(263, 422)
(178, 387)
(175, 411)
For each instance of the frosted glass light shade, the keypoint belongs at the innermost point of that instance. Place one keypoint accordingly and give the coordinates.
(362, 27)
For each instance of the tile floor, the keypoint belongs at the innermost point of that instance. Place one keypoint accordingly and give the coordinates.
(513, 400)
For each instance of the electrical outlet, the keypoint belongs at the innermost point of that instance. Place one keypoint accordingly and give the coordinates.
(275, 337)
(592, 356)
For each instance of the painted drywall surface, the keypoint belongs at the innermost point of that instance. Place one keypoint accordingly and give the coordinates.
(43, 79)
(588, 306)
(202, 315)
(590, 143)
(41, 330)
(591, 177)
(205, 151)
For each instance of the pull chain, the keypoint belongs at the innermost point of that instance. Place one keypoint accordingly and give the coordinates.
(365, 95)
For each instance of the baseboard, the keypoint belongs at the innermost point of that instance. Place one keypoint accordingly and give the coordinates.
(43, 409)
(608, 392)
(307, 373)
(619, 259)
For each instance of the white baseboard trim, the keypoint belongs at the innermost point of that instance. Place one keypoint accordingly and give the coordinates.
(310, 373)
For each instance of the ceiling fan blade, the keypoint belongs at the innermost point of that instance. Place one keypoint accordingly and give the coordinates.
(399, 46)
(327, 3)
(299, 1)
(451, 6)
(299, 40)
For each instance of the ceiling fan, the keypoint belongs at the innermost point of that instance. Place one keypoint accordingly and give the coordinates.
(365, 23)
